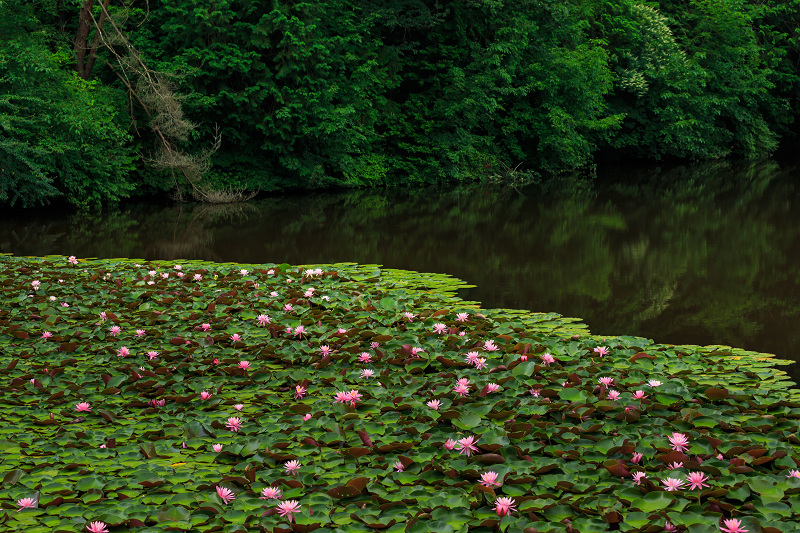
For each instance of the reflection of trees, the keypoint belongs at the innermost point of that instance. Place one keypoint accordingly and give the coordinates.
(689, 255)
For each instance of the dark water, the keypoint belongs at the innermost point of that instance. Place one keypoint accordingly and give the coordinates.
(694, 255)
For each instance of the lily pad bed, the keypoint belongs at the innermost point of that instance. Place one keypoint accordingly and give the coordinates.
(147, 396)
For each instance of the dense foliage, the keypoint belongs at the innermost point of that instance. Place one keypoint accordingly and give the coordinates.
(371, 92)
(342, 398)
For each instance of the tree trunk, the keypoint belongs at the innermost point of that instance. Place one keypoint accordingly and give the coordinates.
(85, 54)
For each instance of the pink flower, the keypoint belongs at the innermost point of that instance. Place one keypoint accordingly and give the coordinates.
(239, 406)
(288, 508)
(263, 320)
(601, 351)
(696, 480)
(472, 358)
(606, 381)
(409, 316)
(123, 352)
(439, 328)
(152, 354)
(35, 284)
(307, 417)
(416, 350)
(489, 479)
(535, 392)
(638, 477)
(243, 272)
(637, 458)
(675, 465)
(205, 327)
(490, 346)
(115, 330)
(46, 335)
(341, 397)
(198, 277)
(83, 407)
(462, 389)
(215, 361)
(613, 395)
(639, 395)
(325, 350)
(794, 473)
(97, 527)
(216, 447)
(672, 484)
(292, 467)
(299, 392)
(654, 383)
(205, 395)
(434, 404)
(374, 345)
(449, 444)
(226, 495)
(273, 294)
(547, 359)
(103, 316)
(669, 528)
(234, 424)
(140, 333)
(462, 317)
(64, 304)
(504, 505)
(355, 396)
(492, 387)
(244, 365)
(679, 442)
(26, 503)
(235, 337)
(73, 261)
(288, 308)
(270, 493)
(523, 358)
(299, 331)
(480, 364)
(466, 446)
(364, 357)
(732, 525)
(177, 267)
(367, 373)
(399, 467)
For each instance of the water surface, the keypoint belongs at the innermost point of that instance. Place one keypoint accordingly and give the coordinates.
(692, 255)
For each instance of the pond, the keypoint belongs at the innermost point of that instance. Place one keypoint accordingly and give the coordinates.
(689, 255)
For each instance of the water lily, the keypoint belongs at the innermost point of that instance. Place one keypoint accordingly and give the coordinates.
(97, 527)
(225, 494)
(288, 508)
(26, 503)
(504, 505)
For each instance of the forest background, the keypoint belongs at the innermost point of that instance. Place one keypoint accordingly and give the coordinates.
(106, 99)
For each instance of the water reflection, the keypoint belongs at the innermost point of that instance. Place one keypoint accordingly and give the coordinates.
(701, 255)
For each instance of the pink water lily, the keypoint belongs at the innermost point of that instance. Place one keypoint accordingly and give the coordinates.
(46, 335)
(434, 404)
(234, 424)
(462, 317)
(679, 442)
(466, 446)
(205, 327)
(123, 352)
(409, 316)
(601, 351)
(83, 407)
(399, 466)
(263, 320)
(244, 365)
(288, 508)
(114, 331)
(367, 373)
(613, 395)
(638, 477)
(472, 358)
(216, 447)
(672, 484)
(449, 444)
(548, 358)
(733, 525)
(73, 261)
(364, 357)
(637, 458)
(97, 527)
(26, 503)
(489, 479)
(639, 395)
(607, 381)
(238, 406)
(152, 354)
(299, 392)
(490, 346)
(292, 467)
(226, 495)
(504, 505)
(270, 493)
(205, 395)
(325, 350)
(794, 473)
(696, 480)
(492, 387)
